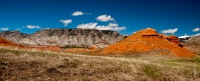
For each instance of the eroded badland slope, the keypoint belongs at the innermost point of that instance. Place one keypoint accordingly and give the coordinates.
(5, 42)
(148, 40)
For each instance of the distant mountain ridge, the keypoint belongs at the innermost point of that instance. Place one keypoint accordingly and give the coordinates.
(190, 40)
(14, 36)
(64, 37)
(193, 44)
(194, 40)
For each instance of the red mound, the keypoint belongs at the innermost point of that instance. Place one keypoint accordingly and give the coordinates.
(148, 40)
(93, 48)
(5, 42)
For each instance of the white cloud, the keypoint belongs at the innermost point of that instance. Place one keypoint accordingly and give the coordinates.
(196, 30)
(32, 26)
(171, 31)
(87, 26)
(79, 13)
(105, 18)
(66, 22)
(110, 26)
(184, 36)
(88, 13)
(4, 29)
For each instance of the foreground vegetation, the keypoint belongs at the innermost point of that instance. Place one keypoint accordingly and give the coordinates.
(33, 65)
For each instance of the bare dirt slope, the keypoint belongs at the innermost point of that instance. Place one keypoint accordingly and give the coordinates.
(148, 40)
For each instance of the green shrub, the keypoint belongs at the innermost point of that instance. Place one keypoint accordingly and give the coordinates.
(3, 50)
(196, 59)
(151, 71)
(71, 64)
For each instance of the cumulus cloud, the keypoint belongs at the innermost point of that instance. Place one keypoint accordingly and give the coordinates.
(171, 31)
(87, 26)
(4, 29)
(66, 22)
(32, 26)
(105, 18)
(196, 30)
(184, 36)
(79, 13)
(110, 26)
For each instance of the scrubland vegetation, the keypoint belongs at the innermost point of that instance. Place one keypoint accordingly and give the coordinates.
(32, 65)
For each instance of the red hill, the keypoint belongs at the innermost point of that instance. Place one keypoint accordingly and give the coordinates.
(148, 40)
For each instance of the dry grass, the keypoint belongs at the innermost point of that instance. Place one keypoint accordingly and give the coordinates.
(33, 65)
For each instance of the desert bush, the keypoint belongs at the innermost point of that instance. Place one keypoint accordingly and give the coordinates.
(71, 63)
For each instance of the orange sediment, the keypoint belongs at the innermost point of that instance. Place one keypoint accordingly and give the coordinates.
(148, 40)
(53, 48)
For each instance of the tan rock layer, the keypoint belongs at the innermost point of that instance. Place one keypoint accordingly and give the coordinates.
(5, 42)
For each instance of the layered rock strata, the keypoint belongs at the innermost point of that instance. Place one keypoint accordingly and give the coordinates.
(65, 37)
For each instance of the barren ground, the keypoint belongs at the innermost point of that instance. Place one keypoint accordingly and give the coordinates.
(33, 65)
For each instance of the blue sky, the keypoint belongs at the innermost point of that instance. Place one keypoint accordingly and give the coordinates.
(177, 17)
